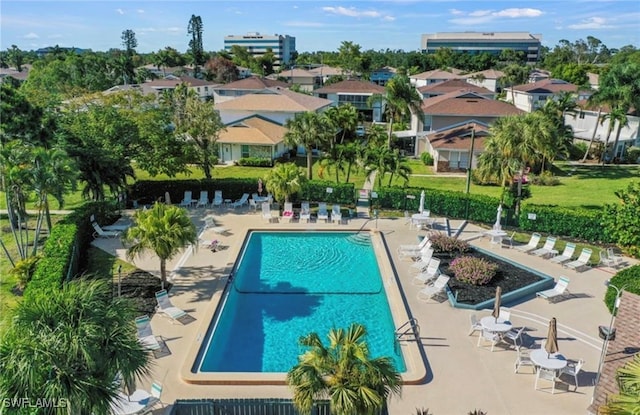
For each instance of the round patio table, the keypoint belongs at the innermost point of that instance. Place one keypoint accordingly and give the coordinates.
(553, 361)
(500, 326)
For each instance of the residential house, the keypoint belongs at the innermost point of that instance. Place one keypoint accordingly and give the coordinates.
(276, 104)
(163, 72)
(442, 88)
(594, 80)
(356, 93)
(538, 75)
(432, 77)
(19, 76)
(490, 79)
(246, 86)
(530, 97)
(588, 119)
(253, 136)
(203, 88)
(305, 79)
(450, 146)
(324, 72)
(382, 75)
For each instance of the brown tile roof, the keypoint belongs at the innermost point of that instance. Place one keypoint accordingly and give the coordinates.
(547, 86)
(297, 73)
(253, 83)
(619, 351)
(451, 85)
(606, 108)
(436, 74)
(488, 74)
(467, 103)
(458, 137)
(173, 82)
(352, 85)
(276, 100)
(325, 70)
(253, 130)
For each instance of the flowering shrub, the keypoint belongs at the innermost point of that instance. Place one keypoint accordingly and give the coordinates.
(440, 242)
(472, 270)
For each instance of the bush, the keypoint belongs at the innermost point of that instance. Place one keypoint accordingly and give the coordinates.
(443, 243)
(577, 150)
(472, 270)
(255, 162)
(545, 179)
(629, 279)
(632, 155)
(427, 158)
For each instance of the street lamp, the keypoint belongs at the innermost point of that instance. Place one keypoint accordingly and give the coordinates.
(608, 334)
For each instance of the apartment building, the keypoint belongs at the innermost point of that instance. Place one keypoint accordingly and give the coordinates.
(479, 42)
(282, 46)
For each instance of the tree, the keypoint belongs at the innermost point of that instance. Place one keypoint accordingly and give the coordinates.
(198, 122)
(621, 221)
(67, 345)
(15, 57)
(333, 159)
(130, 43)
(627, 401)
(398, 167)
(354, 382)
(196, 49)
(344, 118)
(307, 129)
(284, 180)
(618, 115)
(221, 70)
(515, 75)
(167, 57)
(350, 57)
(163, 229)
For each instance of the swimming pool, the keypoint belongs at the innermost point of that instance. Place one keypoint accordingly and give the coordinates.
(288, 284)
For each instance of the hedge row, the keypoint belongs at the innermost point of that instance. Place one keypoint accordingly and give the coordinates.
(628, 280)
(148, 191)
(554, 220)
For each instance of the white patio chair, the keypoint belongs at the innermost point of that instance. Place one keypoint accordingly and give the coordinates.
(533, 243)
(557, 291)
(582, 262)
(266, 211)
(204, 199)
(615, 258)
(100, 233)
(210, 223)
(573, 369)
(242, 201)
(336, 214)
(435, 288)
(523, 359)
(487, 336)
(505, 314)
(566, 255)
(145, 333)
(415, 255)
(475, 324)
(187, 201)
(253, 205)
(546, 374)
(322, 212)
(432, 272)
(305, 211)
(414, 247)
(287, 212)
(423, 262)
(515, 335)
(217, 199)
(547, 249)
(167, 308)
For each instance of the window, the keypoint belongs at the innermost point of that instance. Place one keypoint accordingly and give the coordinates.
(244, 151)
(323, 96)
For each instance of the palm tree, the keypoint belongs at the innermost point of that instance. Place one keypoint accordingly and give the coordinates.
(284, 180)
(344, 118)
(354, 382)
(628, 400)
(398, 167)
(67, 345)
(308, 129)
(515, 74)
(593, 136)
(163, 229)
(334, 159)
(378, 162)
(350, 154)
(619, 115)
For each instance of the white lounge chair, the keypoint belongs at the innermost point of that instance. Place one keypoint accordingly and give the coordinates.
(423, 262)
(100, 233)
(609, 258)
(242, 201)
(533, 243)
(322, 212)
(557, 291)
(415, 255)
(430, 291)
(210, 223)
(154, 399)
(414, 247)
(204, 199)
(110, 228)
(336, 214)
(166, 307)
(566, 255)
(432, 272)
(187, 201)
(547, 249)
(266, 211)
(287, 212)
(582, 261)
(145, 333)
(305, 211)
(217, 199)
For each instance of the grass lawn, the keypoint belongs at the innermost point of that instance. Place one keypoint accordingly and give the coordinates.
(102, 264)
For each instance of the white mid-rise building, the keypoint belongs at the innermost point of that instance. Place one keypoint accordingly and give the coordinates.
(282, 46)
(479, 42)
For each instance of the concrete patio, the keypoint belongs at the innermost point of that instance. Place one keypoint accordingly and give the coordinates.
(461, 377)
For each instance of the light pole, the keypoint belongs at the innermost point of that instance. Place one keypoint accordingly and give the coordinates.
(119, 278)
(607, 336)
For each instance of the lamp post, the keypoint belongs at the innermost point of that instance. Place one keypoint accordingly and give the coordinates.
(119, 278)
(473, 139)
(605, 342)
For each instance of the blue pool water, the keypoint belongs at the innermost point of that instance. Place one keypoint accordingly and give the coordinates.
(288, 284)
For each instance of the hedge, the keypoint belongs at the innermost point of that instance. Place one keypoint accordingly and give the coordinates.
(628, 279)
(574, 222)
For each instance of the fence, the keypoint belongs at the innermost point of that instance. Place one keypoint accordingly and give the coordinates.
(246, 407)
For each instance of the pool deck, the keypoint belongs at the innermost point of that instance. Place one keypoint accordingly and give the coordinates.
(460, 376)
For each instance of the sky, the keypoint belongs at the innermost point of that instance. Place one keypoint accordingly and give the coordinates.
(317, 25)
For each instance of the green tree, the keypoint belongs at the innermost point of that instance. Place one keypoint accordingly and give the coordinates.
(164, 230)
(15, 57)
(21, 120)
(344, 371)
(307, 129)
(220, 69)
(284, 180)
(515, 75)
(350, 57)
(166, 58)
(344, 118)
(621, 221)
(627, 401)
(398, 167)
(196, 50)
(333, 159)
(130, 43)
(70, 343)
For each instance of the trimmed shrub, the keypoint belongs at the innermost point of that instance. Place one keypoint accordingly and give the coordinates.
(442, 243)
(255, 162)
(565, 221)
(472, 270)
(632, 155)
(427, 158)
(627, 279)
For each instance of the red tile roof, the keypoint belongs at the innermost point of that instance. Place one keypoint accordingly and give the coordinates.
(619, 351)
(445, 87)
(547, 86)
(467, 103)
(351, 85)
(459, 137)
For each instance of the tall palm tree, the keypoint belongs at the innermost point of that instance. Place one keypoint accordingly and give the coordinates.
(628, 400)
(343, 117)
(350, 154)
(593, 136)
(619, 115)
(333, 159)
(398, 166)
(307, 129)
(354, 382)
(163, 229)
(67, 345)
(284, 180)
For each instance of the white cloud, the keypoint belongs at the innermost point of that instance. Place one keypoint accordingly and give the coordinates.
(388, 18)
(140, 11)
(480, 13)
(354, 12)
(456, 12)
(591, 23)
(514, 13)
(485, 16)
(31, 35)
(120, 11)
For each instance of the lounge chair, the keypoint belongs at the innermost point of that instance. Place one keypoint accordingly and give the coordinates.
(154, 399)
(217, 199)
(187, 201)
(566, 255)
(204, 199)
(582, 261)
(100, 233)
(110, 228)
(210, 223)
(533, 243)
(242, 201)
(413, 247)
(266, 211)
(165, 306)
(430, 291)
(557, 291)
(547, 249)
(415, 255)
(336, 214)
(287, 212)
(305, 211)
(322, 212)
(609, 258)
(145, 333)
(431, 272)
(421, 264)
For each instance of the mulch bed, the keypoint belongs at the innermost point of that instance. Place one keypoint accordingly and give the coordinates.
(508, 277)
(141, 287)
